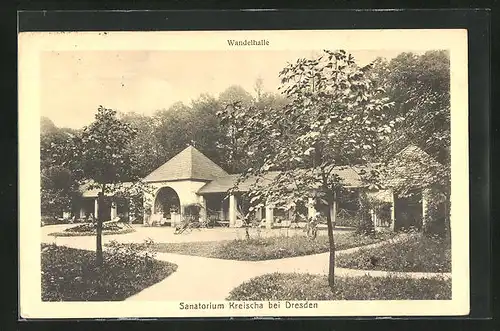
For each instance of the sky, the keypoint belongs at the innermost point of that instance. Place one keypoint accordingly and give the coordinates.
(75, 83)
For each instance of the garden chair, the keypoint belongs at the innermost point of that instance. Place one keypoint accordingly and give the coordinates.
(181, 228)
(194, 224)
(204, 223)
(127, 225)
(186, 226)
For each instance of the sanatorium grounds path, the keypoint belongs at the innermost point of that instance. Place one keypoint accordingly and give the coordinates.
(201, 278)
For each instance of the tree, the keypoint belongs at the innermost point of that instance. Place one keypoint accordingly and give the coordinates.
(105, 159)
(172, 129)
(145, 148)
(59, 168)
(56, 146)
(232, 117)
(235, 93)
(206, 131)
(334, 119)
(47, 126)
(58, 188)
(419, 85)
(259, 88)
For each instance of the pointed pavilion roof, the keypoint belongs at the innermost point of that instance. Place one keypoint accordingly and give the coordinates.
(413, 167)
(188, 164)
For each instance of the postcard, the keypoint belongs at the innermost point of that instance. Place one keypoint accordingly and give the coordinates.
(243, 173)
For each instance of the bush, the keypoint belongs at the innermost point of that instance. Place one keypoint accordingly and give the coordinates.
(437, 218)
(71, 274)
(347, 218)
(296, 286)
(193, 210)
(145, 251)
(415, 253)
(365, 222)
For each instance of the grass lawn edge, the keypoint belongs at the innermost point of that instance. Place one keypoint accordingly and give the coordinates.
(303, 286)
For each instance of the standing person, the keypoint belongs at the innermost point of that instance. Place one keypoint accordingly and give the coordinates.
(312, 225)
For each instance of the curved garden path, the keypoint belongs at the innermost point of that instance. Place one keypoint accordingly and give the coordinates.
(201, 278)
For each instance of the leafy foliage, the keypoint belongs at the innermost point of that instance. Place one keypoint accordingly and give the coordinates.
(145, 150)
(106, 161)
(365, 222)
(71, 275)
(105, 158)
(59, 175)
(419, 85)
(437, 220)
(193, 210)
(335, 116)
(416, 253)
(58, 188)
(295, 287)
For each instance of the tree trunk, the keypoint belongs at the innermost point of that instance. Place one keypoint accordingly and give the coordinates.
(331, 241)
(333, 207)
(100, 215)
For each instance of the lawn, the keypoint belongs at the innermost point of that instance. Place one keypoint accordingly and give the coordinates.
(416, 253)
(258, 249)
(295, 286)
(71, 274)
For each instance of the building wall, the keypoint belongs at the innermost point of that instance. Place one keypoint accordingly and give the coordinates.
(185, 189)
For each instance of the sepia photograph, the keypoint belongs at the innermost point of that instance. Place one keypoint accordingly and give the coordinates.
(243, 173)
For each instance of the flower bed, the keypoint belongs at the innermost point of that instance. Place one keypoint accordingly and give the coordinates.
(89, 229)
(71, 274)
(296, 286)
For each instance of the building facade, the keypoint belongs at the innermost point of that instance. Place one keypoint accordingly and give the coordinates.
(191, 178)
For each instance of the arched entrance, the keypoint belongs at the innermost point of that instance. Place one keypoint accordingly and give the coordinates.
(166, 203)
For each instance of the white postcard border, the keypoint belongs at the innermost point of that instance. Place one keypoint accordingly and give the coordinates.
(32, 44)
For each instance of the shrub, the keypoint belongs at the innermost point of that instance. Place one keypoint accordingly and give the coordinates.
(193, 210)
(145, 251)
(71, 275)
(347, 218)
(414, 253)
(296, 286)
(436, 221)
(365, 222)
